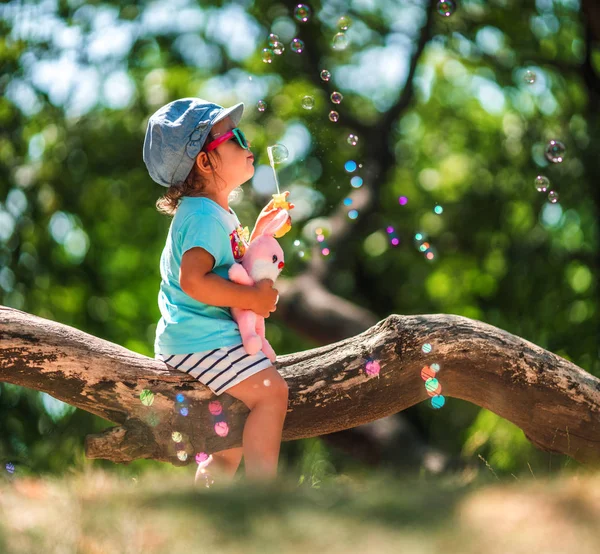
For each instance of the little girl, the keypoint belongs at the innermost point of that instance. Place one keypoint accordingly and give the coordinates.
(195, 148)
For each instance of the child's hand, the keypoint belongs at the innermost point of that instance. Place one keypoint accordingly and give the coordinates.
(267, 214)
(265, 298)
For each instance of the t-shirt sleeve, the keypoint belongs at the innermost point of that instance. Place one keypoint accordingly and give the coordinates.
(207, 232)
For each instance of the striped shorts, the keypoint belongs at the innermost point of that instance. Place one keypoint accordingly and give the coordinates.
(218, 369)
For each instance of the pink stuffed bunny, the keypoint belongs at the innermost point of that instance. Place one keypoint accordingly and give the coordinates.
(263, 260)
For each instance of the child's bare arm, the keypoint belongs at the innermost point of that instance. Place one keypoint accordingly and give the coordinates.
(197, 280)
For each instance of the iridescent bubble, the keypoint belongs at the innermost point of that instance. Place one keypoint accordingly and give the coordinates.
(221, 428)
(147, 397)
(350, 166)
(529, 77)
(278, 48)
(347, 201)
(433, 387)
(435, 367)
(555, 151)
(542, 183)
(426, 348)
(395, 241)
(10, 467)
(344, 23)
(553, 196)
(336, 97)
(302, 13)
(446, 8)
(261, 105)
(297, 46)
(340, 41)
(273, 39)
(352, 140)
(153, 419)
(201, 457)
(182, 455)
(402, 200)
(176, 436)
(183, 411)
(267, 55)
(372, 367)
(438, 401)
(356, 181)
(390, 229)
(325, 251)
(215, 407)
(179, 397)
(325, 75)
(353, 214)
(308, 102)
(277, 153)
(334, 116)
(427, 373)
(438, 210)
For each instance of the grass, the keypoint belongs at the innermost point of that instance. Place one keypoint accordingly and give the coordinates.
(91, 511)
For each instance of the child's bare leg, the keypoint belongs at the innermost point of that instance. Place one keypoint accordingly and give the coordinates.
(227, 461)
(266, 394)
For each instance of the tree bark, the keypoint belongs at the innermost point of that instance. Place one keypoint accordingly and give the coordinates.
(554, 402)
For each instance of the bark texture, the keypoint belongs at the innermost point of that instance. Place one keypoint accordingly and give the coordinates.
(554, 402)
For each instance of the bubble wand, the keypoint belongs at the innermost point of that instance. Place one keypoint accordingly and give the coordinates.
(280, 152)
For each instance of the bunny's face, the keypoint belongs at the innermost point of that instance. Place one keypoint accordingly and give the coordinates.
(263, 258)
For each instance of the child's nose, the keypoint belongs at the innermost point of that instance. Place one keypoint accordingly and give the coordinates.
(280, 265)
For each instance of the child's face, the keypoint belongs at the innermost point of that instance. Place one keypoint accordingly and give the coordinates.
(236, 165)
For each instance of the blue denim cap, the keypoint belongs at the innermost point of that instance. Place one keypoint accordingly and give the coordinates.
(176, 133)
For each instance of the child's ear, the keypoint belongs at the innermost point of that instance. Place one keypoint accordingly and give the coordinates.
(276, 223)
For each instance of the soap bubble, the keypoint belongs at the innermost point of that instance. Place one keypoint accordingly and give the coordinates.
(344, 23)
(277, 153)
(340, 41)
(267, 55)
(529, 77)
(308, 102)
(273, 39)
(352, 139)
(147, 397)
(221, 428)
(261, 105)
(336, 97)
(542, 183)
(176, 436)
(347, 201)
(182, 455)
(555, 150)
(297, 46)
(426, 348)
(402, 200)
(334, 116)
(302, 13)
(350, 166)
(353, 214)
(278, 48)
(446, 8)
(553, 196)
(356, 181)
(438, 210)
(325, 75)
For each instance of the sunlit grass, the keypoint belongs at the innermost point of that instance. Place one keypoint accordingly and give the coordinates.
(90, 510)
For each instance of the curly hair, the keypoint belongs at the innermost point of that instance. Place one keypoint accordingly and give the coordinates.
(194, 182)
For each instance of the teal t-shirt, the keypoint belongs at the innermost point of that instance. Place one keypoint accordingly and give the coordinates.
(187, 325)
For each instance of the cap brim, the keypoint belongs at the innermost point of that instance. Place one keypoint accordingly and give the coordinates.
(235, 112)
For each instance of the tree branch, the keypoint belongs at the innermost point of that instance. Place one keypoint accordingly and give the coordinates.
(554, 402)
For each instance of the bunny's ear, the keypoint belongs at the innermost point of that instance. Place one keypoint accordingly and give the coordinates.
(276, 223)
